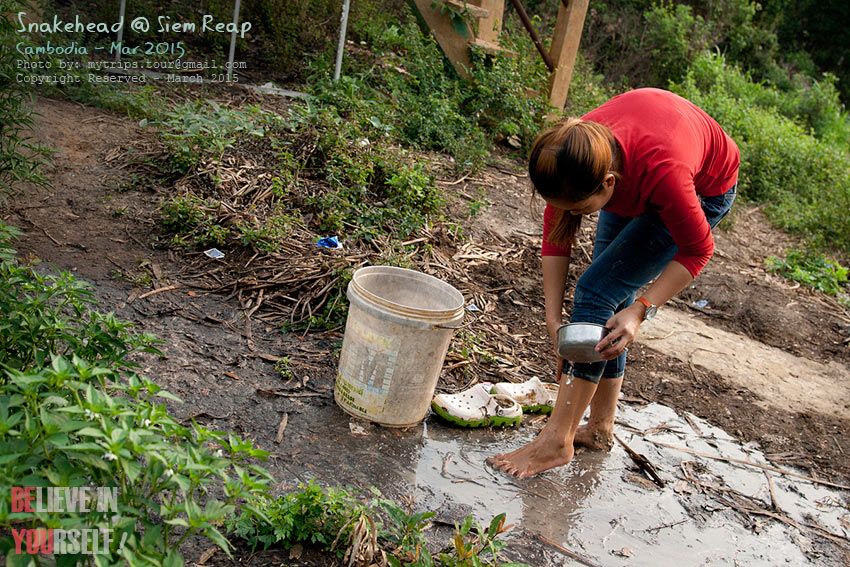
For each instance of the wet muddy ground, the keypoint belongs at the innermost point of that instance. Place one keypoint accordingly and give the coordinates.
(601, 507)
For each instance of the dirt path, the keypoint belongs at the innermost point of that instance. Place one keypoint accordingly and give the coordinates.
(781, 379)
(763, 361)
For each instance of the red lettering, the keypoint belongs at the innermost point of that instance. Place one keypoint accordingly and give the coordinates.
(32, 542)
(17, 499)
(18, 536)
(28, 497)
(46, 540)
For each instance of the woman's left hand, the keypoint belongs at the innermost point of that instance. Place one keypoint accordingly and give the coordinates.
(623, 328)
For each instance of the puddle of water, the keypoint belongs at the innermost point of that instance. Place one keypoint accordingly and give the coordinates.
(599, 505)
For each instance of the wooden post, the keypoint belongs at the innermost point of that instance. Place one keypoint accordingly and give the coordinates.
(340, 49)
(454, 44)
(121, 11)
(564, 49)
(233, 41)
(490, 27)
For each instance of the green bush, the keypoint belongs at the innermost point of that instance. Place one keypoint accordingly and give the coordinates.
(412, 88)
(360, 167)
(339, 521)
(674, 36)
(20, 156)
(309, 515)
(814, 105)
(203, 129)
(74, 413)
(194, 221)
(50, 315)
(805, 180)
(812, 269)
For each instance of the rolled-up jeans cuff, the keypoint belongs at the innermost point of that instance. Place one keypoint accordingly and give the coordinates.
(595, 371)
(620, 375)
(590, 371)
(616, 367)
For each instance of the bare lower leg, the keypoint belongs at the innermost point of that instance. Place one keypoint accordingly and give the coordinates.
(598, 432)
(553, 447)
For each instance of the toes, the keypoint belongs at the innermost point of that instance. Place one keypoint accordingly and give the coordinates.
(505, 466)
(508, 467)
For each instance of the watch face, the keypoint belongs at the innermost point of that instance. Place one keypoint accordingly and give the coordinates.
(650, 313)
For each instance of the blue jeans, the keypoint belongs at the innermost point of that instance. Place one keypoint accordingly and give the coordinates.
(628, 253)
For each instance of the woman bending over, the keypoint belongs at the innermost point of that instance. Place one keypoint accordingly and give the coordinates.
(662, 173)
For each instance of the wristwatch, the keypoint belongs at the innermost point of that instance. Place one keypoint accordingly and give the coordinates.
(651, 309)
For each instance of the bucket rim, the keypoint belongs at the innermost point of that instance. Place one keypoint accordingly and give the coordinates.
(407, 309)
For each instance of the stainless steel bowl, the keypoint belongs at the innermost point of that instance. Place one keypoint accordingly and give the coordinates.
(576, 341)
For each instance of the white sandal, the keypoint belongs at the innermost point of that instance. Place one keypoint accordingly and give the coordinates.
(533, 395)
(477, 407)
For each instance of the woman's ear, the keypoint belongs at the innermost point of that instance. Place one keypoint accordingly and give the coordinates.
(609, 181)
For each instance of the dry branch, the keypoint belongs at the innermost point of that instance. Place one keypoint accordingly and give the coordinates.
(571, 554)
(751, 464)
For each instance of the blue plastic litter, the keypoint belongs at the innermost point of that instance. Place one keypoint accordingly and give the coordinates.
(329, 242)
(701, 303)
(214, 253)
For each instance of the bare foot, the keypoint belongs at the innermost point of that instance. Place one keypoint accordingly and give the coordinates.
(540, 455)
(594, 438)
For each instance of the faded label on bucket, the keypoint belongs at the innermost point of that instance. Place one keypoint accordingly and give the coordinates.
(366, 370)
(370, 371)
(349, 395)
(369, 336)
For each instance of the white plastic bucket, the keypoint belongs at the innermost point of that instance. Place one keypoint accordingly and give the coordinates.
(397, 333)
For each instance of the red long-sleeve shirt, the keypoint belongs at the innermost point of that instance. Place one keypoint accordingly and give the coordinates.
(672, 152)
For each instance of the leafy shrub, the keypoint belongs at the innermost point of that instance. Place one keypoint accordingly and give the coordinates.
(50, 315)
(805, 180)
(20, 156)
(812, 269)
(370, 187)
(309, 515)
(674, 36)
(200, 130)
(337, 520)
(412, 87)
(737, 30)
(814, 105)
(74, 413)
(194, 220)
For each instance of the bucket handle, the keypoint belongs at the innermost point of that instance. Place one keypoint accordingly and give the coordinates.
(465, 325)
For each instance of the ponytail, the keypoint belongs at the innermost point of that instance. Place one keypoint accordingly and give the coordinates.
(570, 161)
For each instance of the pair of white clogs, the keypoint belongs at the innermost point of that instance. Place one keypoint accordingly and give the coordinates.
(496, 405)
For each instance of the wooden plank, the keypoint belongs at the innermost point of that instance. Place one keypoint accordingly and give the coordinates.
(490, 27)
(492, 48)
(564, 49)
(471, 7)
(453, 44)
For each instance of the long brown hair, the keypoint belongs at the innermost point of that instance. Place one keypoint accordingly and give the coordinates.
(570, 161)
